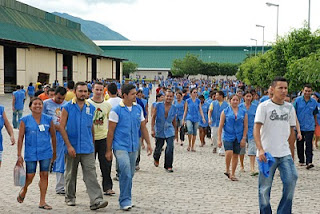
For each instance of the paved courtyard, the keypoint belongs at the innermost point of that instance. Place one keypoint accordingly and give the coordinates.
(197, 185)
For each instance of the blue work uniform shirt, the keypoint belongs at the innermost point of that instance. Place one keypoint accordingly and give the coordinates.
(79, 126)
(193, 113)
(233, 126)
(179, 109)
(1, 126)
(251, 115)
(164, 127)
(126, 133)
(19, 97)
(205, 108)
(305, 113)
(216, 112)
(37, 139)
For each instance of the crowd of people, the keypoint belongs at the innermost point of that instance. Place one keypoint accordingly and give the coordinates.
(75, 123)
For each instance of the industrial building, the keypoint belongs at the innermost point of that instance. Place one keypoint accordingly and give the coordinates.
(36, 45)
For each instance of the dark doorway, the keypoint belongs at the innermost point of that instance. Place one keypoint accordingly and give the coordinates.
(43, 78)
(67, 67)
(10, 69)
(94, 69)
(118, 70)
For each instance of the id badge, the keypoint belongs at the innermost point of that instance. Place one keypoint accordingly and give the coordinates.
(41, 128)
(87, 110)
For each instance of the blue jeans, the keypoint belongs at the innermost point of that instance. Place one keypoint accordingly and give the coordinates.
(192, 127)
(15, 122)
(289, 176)
(169, 151)
(126, 162)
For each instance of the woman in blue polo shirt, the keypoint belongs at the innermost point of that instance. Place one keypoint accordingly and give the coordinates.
(30, 90)
(179, 103)
(203, 126)
(192, 112)
(39, 134)
(4, 122)
(251, 109)
(234, 123)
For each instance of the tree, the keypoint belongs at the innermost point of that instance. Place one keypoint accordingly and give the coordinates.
(129, 67)
(189, 65)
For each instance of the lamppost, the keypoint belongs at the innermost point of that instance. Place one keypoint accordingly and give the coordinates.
(255, 50)
(309, 14)
(262, 36)
(275, 5)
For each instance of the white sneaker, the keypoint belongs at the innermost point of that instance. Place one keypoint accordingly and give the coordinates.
(126, 208)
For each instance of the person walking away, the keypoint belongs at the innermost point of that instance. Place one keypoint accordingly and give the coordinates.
(18, 97)
(214, 112)
(53, 107)
(125, 121)
(70, 91)
(251, 109)
(273, 129)
(234, 123)
(76, 128)
(37, 130)
(4, 122)
(30, 90)
(162, 126)
(307, 110)
(100, 124)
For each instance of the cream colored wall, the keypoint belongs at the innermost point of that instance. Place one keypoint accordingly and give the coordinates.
(60, 68)
(21, 66)
(1, 69)
(105, 69)
(98, 67)
(36, 60)
(82, 68)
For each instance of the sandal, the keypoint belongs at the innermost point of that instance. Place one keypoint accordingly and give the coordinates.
(109, 192)
(20, 199)
(227, 174)
(234, 179)
(254, 173)
(45, 207)
(188, 149)
(193, 150)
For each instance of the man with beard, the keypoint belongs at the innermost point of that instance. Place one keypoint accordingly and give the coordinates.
(77, 118)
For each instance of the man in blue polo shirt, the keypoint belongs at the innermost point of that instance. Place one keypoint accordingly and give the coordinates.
(146, 91)
(125, 121)
(76, 128)
(307, 110)
(17, 106)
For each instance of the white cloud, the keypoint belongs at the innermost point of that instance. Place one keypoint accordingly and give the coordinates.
(229, 22)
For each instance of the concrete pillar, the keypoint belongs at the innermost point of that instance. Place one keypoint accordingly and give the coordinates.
(21, 66)
(89, 69)
(99, 67)
(75, 69)
(60, 68)
(1, 69)
(114, 70)
(121, 71)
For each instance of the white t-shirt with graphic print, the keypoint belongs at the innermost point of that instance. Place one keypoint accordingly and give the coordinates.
(276, 121)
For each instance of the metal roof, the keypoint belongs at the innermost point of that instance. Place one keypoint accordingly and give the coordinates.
(163, 56)
(24, 24)
(154, 43)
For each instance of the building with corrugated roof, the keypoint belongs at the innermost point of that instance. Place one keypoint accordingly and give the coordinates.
(36, 45)
(156, 58)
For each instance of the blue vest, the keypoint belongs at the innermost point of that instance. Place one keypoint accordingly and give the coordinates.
(217, 109)
(37, 143)
(205, 108)
(251, 114)
(1, 126)
(79, 127)
(31, 90)
(305, 111)
(193, 110)
(145, 92)
(126, 134)
(19, 97)
(164, 127)
(179, 109)
(233, 128)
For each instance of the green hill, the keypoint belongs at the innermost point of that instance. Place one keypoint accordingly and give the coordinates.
(93, 30)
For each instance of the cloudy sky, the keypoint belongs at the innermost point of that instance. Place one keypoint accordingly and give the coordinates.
(228, 22)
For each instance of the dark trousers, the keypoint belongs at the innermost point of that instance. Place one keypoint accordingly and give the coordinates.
(307, 137)
(105, 165)
(168, 153)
